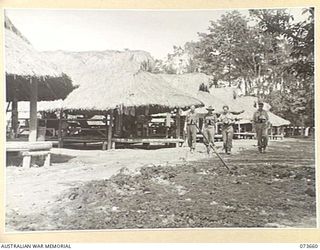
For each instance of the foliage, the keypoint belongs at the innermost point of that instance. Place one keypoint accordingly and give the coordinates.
(269, 55)
(299, 94)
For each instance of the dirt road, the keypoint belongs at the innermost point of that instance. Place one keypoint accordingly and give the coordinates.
(166, 188)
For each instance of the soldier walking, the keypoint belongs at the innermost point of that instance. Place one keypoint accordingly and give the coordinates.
(209, 128)
(260, 124)
(227, 119)
(190, 128)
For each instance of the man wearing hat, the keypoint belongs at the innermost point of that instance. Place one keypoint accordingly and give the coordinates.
(227, 120)
(260, 124)
(190, 127)
(209, 128)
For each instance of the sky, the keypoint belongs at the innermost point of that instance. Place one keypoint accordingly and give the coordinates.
(87, 30)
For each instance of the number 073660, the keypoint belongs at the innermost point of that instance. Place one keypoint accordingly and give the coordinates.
(308, 245)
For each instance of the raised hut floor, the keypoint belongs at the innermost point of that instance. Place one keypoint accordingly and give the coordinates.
(119, 141)
(148, 141)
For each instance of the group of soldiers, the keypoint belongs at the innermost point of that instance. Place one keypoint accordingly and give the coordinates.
(260, 122)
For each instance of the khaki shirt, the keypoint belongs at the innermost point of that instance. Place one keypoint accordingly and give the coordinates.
(209, 120)
(260, 117)
(226, 119)
(192, 118)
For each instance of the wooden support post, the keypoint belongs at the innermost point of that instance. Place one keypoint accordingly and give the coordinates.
(14, 118)
(60, 136)
(178, 124)
(33, 111)
(104, 142)
(145, 122)
(239, 130)
(47, 161)
(8, 106)
(109, 146)
(104, 145)
(121, 121)
(26, 162)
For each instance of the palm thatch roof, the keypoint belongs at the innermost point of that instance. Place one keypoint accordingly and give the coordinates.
(248, 104)
(190, 82)
(123, 88)
(229, 94)
(10, 26)
(86, 67)
(24, 64)
(277, 121)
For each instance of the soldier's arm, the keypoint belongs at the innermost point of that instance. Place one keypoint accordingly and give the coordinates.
(232, 118)
(254, 120)
(237, 112)
(204, 118)
(197, 120)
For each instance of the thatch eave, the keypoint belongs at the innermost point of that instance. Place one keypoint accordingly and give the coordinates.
(23, 65)
(49, 88)
(128, 90)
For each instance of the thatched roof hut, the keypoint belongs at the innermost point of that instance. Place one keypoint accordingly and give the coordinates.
(30, 77)
(24, 64)
(86, 67)
(249, 105)
(189, 82)
(122, 88)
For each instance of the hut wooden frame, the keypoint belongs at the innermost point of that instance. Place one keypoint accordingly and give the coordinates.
(108, 138)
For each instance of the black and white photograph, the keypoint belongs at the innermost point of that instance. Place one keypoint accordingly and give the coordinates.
(140, 119)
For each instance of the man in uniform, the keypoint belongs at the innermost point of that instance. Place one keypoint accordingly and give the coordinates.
(227, 120)
(190, 127)
(209, 128)
(260, 124)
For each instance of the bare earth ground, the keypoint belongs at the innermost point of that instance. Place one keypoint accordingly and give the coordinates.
(166, 188)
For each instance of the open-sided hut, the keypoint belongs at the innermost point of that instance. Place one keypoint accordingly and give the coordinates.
(120, 92)
(30, 77)
(198, 86)
(249, 105)
(218, 97)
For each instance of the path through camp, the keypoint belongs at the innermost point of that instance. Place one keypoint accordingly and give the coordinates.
(128, 188)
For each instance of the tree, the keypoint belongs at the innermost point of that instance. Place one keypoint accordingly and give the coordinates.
(299, 94)
(239, 54)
